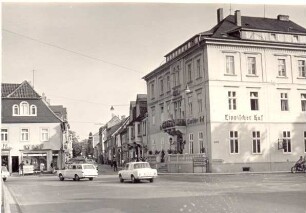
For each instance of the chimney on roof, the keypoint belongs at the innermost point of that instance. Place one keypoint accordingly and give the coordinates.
(283, 17)
(122, 117)
(238, 18)
(220, 15)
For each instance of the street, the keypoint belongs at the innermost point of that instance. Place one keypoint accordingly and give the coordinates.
(283, 192)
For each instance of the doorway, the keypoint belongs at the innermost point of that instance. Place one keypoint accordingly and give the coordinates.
(15, 164)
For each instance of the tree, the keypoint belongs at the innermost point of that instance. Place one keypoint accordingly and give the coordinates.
(76, 146)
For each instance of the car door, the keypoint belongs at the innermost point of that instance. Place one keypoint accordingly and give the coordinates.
(125, 171)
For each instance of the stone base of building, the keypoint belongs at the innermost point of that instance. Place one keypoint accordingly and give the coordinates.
(187, 167)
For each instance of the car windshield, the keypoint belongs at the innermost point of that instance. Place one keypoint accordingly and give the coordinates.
(88, 167)
(141, 165)
(3, 168)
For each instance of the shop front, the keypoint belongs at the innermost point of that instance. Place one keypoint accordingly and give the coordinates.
(38, 160)
(5, 158)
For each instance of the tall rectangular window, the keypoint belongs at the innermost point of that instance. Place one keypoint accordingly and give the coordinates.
(304, 141)
(189, 77)
(153, 115)
(232, 100)
(281, 67)
(302, 68)
(256, 142)
(161, 82)
(303, 102)
(152, 90)
(230, 65)
(144, 128)
(162, 112)
(254, 100)
(198, 68)
(190, 105)
(201, 142)
(251, 65)
(25, 134)
(234, 142)
(168, 83)
(286, 141)
(4, 135)
(168, 104)
(200, 102)
(284, 102)
(190, 143)
(178, 109)
(44, 134)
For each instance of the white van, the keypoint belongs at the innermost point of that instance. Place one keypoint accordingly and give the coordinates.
(78, 171)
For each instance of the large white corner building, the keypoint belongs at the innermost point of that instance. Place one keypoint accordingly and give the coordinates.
(236, 92)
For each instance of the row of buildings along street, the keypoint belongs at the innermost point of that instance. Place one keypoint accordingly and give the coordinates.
(235, 94)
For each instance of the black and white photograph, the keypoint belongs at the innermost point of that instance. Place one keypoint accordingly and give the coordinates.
(153, 106)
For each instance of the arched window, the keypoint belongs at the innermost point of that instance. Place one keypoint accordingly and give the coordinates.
(15, 110)
(33, 110)
(24, 108)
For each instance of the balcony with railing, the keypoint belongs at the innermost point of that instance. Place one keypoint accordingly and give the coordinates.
(174, 126)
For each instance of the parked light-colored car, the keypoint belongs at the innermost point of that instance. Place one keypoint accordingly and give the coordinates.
(4, 173)
(136, 171)
(78, 171)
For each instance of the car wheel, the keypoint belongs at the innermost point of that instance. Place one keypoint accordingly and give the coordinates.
(77, 178)
(90, 178)
(121, 179)
(60, 176)
(4, 179)
(151, 180)
(134, 180)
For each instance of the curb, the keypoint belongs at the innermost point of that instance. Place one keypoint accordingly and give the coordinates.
(9, 201)
(235, 173)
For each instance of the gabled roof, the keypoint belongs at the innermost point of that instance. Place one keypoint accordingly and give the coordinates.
(23, 90)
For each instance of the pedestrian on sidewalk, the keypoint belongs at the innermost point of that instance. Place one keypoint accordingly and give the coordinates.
(115, 164)
(52, 169)
(21, 168)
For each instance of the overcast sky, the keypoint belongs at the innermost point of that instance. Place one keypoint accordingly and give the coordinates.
(90, 56)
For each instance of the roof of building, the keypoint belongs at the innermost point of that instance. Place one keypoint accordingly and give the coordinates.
(59, 110)
(141, 97)
(23, 90)
(13, 94)
(226, 29)
(255, 23)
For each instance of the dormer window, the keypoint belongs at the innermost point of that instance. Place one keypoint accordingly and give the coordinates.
(15, 110)
(295, 38)
(24, 108)
(273, 37)
(33, 110)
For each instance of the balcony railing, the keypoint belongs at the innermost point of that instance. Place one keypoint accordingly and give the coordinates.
(173, 123)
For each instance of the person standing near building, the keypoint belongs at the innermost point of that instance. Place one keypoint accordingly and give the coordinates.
(21, 168)
(42, 167)
(115, 164)
(52, 169)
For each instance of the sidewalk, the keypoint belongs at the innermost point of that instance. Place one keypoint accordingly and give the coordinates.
(105, 169)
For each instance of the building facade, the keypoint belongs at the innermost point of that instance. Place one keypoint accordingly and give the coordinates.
(137, 128)
(236, 93)
(30, 132)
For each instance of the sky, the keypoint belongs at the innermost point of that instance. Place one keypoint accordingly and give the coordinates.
(91, 56)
